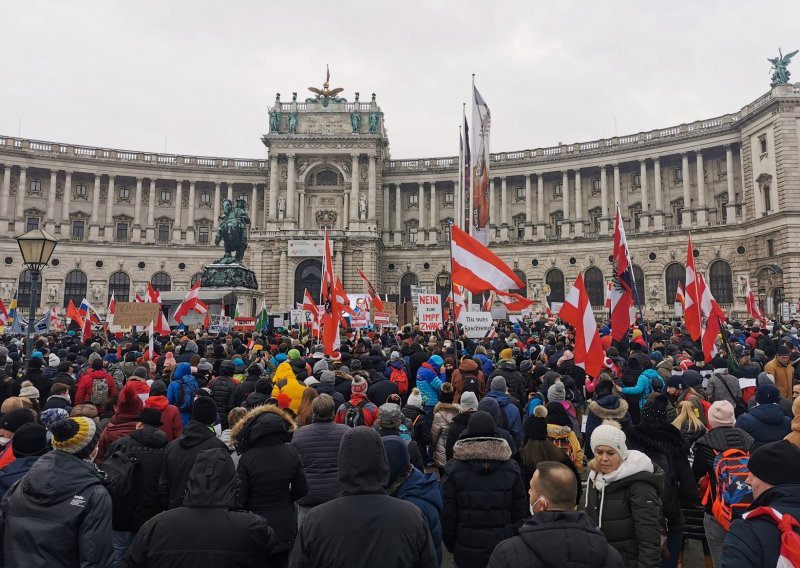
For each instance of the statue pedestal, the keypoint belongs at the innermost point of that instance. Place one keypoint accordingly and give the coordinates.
(228, 276)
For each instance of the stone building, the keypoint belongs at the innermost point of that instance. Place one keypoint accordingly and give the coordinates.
(125, 218)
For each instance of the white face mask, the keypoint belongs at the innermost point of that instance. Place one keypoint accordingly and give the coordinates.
(4, 440)
(533, 505)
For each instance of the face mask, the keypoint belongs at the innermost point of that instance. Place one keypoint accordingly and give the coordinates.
(4, 440)
(533, 505)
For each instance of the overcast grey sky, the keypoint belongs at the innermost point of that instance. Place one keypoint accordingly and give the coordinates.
(202, 73)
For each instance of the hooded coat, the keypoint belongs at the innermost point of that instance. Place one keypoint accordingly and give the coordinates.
(765, 423)
(205, 532)
(556, 538)
(318, 446)
(625, 505)
(58, 516)
(171, 420)
(719, 385)
(223, 389)
(15, 471)
(270, 471)
(429, 381)
(610, 407)
(511, 411)
(443, 415)
(483, 497)
(286, 382)
(515, 382)
(180, 392)
(423, 491)
(381, 388)
(467, 368)
(364, 525)
(83, 391)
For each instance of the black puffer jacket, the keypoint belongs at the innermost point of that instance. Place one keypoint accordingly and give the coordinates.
(454, 431)
(58, 515)
(483, 498)
(380, 389)
(243, 389)
(515, 381)
(148, 445)
(610, 407)
(270, 471)
(179, 459)
(318, 446)
(223, 389)
(556, 539)
(206, 532)
(717, 440)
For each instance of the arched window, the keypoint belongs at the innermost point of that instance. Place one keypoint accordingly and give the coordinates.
(524, 278)
(721, 281)
(327, 177)
(120, 285)
(161, 282)
(24, 292)
(75, 285)
(408, 280)
(638, 276)
(307, 276)
(595, 286)
(674, 274)
(555, 279)
(196, 278)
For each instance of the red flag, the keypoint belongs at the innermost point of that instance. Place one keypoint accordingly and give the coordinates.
(161, 325)
(73, 314)
(622, 312)
(190, 303)
(577, 311)
(714, 316)
(679, 296)
(309, 305)
(3, 313)
(207, 320)
(477, 268)
(332, 307)
(373, 295)
(87, 329)
(456, 297)
(691, 312)
(487, 305)
(513, 302)
(753, 309)
(607, 305)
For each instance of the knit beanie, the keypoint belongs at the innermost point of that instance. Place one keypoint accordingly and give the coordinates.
(768, 394)
(53, 415)
(499, 384)
(436, 362)
(390, 416)
(610, 434)
(557, 415)
(293, 354)
(29, 391)
(557, 393)
(140, 372)
(30, 440)
(721, 413)
(481, 424)
(77, 435)
(14, 420)
(327, 377)
(359, 385)
(129, 403)
(490, 406)
(469, 400)
(603, 388)
(776, 463)
(204, 411)
(506, 353)
(398, 456)
(204, 365)
(158, 388)
(535, 426)
(319, 366)
(446, 395)
(414, 399)
(655, 410)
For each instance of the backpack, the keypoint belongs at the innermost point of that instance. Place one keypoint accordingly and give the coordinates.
(119, 377)
(734, 495)
(354, 415)
(739, 407)
(184, 400)
(119, 470)
(502, 421)
(470, 384)
(405, 433)
(400, 378)
(99, 394)
(787, 527)
(565, 446)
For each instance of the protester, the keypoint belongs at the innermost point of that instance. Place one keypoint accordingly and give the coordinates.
(125, 420)
(608, 405)
(96, 386)
(468, 377)
(223, 390)
(782, 371)
(443, 416)
(468, 405)
(358, 410)
(391, 422)
(679, 390)
(765, 422)
(30, 443)
(304, 413)
(286, 382)
(512, 420)
(171, 420)
(794, 435)
(181, 391)
(9, 424)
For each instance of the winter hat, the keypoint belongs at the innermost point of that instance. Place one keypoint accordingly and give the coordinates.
(414, 399)
(319, 366)
(30, 440)
(398, 456)
(110, 358)
(721, 413)
(469, 400)
(129, 403)
(557, 415)
(776, 463)
(158, 388)
(499, 384)
(535, 426)
(204, 365)
(293, 354)
(390, 416)
(480, 425)
(436, 362)
(557, 393)
(151, 417)
(604, 388)
(169, 360)
(446, 394)
(506, 353)
(29, 391)
(77, 435)
(566, 356)
(204, 411)
(52, 415)
(783, 350)
(655, 410)
(16, 418)
(768, 394)
(95, 356)
(319, 352)
(226, 368)
(490, 405)
(53, 360)
(311, 381)
(765, 378)
(525, 366)
(610, 434)
(676, 381)
(327, 377)
(140, 373)
(359, 386)
(656, 356)
(395, 356)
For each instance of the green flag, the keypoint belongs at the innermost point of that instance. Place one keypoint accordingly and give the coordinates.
(261, 322)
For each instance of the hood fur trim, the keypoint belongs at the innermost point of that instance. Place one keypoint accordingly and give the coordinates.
(556, 431)
(604, 413)
(495, 449)
(258, 411)
(445, 407)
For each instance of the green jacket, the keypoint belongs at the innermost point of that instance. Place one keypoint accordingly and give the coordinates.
(626, 506)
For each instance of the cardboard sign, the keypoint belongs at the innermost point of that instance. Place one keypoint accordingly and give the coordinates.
(296, 317)
(476, 325)
(129, 314)
(220, 324)
(359, 320)
(380, 318)
(415, 292)
(429, 312)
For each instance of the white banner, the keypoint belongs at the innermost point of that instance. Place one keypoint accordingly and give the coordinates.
(296, 317)
(476, 325)
(415, 292)
(305, 248)
(429, 312)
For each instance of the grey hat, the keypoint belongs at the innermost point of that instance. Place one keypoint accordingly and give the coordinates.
(556, 393)
(321, 365)
(204, 365)
(499, 384)
(140, 372)
(191, 347)
(390, 415)
(395, 356)
(469, 400)
(328, 377)
(311, 381)
(94, 356)
(319, 352)
(765, 378)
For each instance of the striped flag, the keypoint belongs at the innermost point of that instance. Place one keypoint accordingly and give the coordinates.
(12, 308)
(513, 302)
(374, 299)
(87, 311)
(456, 297)
(622, 301)
(608, 295)
(679, 297)
(753, 309)
(691, 312)
(477, 268)
(577, 311)
(3, 314)
(714, 317)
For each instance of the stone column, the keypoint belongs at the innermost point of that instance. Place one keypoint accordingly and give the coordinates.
(603, 201)
(253, 205)
(701, 191)
(51, 197)
(434, 222)
(273, 188)
(137, 209)
(385, 221)
(504, 209)
(67, 198)
(578, 227)
(266, 207)
(398, 212)
(218, 198)
(301, 202)
(229, 195)
(291, 188)
(541, 223)
(565, 224)
(528, 208)
(372, 189)
(645, 217)
(19, 203)
(731, 206)
(94, 228)
(686, 220)
(617, 192)
(151, 205)
(112, 192)
(177, 224)
(658, 218)
(190, 230)
(6, 192)
(492, 211)
(354, 190)
(420, 213)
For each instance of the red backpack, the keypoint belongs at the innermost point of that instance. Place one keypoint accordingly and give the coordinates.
(400, 378)
(788, 527)
(734, 495)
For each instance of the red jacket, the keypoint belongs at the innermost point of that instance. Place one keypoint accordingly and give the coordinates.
(117, 428)
(140, 387)
(171, 423)
(369, 410)
(84, 389)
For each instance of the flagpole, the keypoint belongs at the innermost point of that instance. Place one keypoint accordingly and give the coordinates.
(636, 291)
(473, 156)
(452, 292)
(460, 196)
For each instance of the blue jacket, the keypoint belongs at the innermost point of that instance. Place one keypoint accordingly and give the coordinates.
(391, 366)
(765, 423)
(423, 491)
(14, 472)
(486, 364)
(429, 383)
(182, 376)
(513, 419)
(278, 359)
(644, 386)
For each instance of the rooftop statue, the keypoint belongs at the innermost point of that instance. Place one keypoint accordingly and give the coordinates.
(780, 73)
(325, 94)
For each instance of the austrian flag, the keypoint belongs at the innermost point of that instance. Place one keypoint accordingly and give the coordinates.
(477, 268)
(577, 311)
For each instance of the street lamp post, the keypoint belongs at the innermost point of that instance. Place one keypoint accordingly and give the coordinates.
(37, 247)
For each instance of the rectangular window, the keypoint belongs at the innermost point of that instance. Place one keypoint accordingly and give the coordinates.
(556, 189)
(242, 197)
(521, 230)
(78, 229)
(678, 175)
(412, 236)
(762, 141)
(124, 192)
(35, 186)
(520, 192)
(413, 199)
(595, 186)
(448, 198)
(636, 180)
(767, 199)
(31, 224)
(80, 190)
(770, 248)
(163, 233)
(205, 198)
(202, 236)
(122, 233)
(166, 195)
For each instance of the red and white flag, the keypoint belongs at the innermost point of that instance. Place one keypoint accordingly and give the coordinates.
(607, 305)
(679, 296)
(691, 311)
(513, 302)
(374, 299)
(487, 305)
(112, 308)
(161, 325)
(788, 527)
(310, 306)
(458, 300)
(623, 315)
(477, 268)
(577, 311)
(714, 317)
(3, 314)
(753, 309)
(191, 303)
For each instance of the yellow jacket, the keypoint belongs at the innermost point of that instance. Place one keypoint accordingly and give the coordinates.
(285, 382)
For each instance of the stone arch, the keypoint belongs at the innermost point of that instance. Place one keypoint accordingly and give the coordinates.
(406, 281)
(313, 167)
(76, 287)
(118, 282)
(674, 274)
(307, 276)
(720, 280)
(555, 279)
(595, 284)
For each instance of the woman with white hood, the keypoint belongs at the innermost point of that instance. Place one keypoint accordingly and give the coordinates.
(623, 497)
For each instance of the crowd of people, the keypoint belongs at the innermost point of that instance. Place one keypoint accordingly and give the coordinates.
(248, 449)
